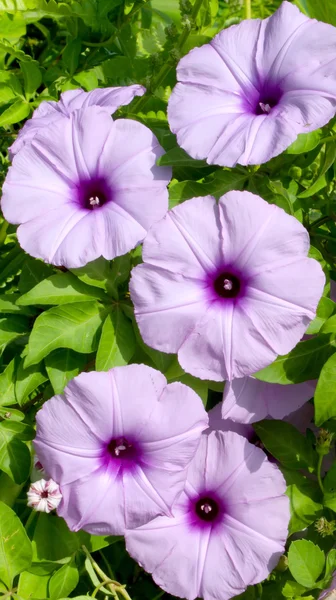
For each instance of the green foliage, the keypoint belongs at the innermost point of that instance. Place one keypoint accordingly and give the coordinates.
(15, 547)
(55, 324)
(306, 562)
(290, 447)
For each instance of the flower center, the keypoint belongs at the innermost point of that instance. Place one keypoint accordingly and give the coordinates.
(265, 107)
(44, 494)
(207, 509)
(121, 448)
(227, 285)
(94, 193)
(97, 200)
(269, 96)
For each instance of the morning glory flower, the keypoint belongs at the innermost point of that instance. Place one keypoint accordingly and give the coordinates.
(247, 400)
(51, 112)
(114, 444)
(244, 97)
(86, 187)
(228, 528)
(44, 496)
(227, 286)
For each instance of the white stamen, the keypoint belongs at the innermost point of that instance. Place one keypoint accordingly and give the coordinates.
(94, 201)
(266, 108)
(119, 449)
(227, 285)
(44, 496)
(206, 508)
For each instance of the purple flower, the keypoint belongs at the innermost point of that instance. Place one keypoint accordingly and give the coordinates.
(86, 187)
(227, 286)
(228, 528)
(248, 400)
(219, 423)
(50, 112)
(115, 446)
(246, 96)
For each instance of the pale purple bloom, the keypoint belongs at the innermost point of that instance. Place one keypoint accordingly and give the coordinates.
(86, 187)
(44, 496)
(227, 286)
(219, 423)
(228, 528)
(244, 97)
(248, 400)
(118, 443)
(50, 112)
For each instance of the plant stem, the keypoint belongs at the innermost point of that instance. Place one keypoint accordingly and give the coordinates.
(320, 221)
(166, 68)
(248, 12)
(323, 236)
(319, 478)
(114, 587)
(30, 519)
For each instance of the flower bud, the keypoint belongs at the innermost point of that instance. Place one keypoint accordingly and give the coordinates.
(323, 442)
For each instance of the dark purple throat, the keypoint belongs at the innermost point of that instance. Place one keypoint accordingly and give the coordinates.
(122, 449)
(267, 98)
(94, 193)
(207, 509)
(227, 285)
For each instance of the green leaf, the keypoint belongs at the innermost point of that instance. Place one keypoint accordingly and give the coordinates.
(305, 500)
(64, 580)
(7, 95)
(7, 384)
(219, 183)
(330, 563)
(87, 80)
(120, 269)
(32, 77)
(11, 413)
(323, 11)
(12, 27)
(52, 539)
(8, 305)
(11, 328)
(117, 342)
(76, 326)
(281, 196)
(286, 444)
(62, 365)
(293, 589)
(305, 142)
(15, 546)
(318, 185)
(71, 54)
(301, 364)
(329, 485)
(33, 271)
(14, 454)
(62, 288)
(27, 380)
(306, 562)
(325, 309)
(95, 273)
(15, 113)
(176, 157)
(33, 586)
(325, 394)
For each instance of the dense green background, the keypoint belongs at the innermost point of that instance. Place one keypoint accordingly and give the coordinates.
(56, 323)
